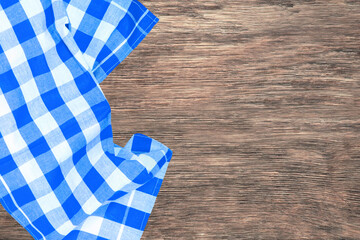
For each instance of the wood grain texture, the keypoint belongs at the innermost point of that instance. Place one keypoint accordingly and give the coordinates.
(260, 102)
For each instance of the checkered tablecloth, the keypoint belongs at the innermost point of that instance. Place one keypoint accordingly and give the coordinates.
(61, 175)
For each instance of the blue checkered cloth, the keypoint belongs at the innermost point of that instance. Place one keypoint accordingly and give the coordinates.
(61, 175)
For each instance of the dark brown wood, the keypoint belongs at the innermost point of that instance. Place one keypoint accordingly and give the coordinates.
(260, 102)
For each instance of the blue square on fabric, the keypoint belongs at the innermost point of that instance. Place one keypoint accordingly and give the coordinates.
(23, 195)
(141, 143)
(135, 218)
(97, 9)
(106, 133)
(126, 25)
(24, 31)
(135, 38)
(70, 128)
(38, 65)
(43, 224)
(104, 52)
(147, 23)
(101, 110)
(82, 39)
(85, 83)
(49, 16)
(7, 164)
(52, 99)
(93, 180)
(71, 206)
(115, 212)
(39, 147)
(8, 81)
(54, 177)
(79, 155)
(136, 11)
(110, 63)
(9, 203)
(22, 116)
(152, 187)
(8, 3)
(63, 51)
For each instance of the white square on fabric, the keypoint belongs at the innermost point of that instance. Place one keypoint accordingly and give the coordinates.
(49, 202)
(15, 56)
(73, 179)
(95, 153)
(32, 7)
(5, 23)
(90, 60)
(61, 75)
(31, 171)
(104, 31)
(148, 162)
(75, 16)
(91, 132)
(46, 123)
(14, 141)
(65, 228)
(78, 105)
(5, 108)
(80, 57)
(92, 225)
(30, 90)
(117, 180)
(91, 205)
(62, 151)
(143, 201)
(46, 41)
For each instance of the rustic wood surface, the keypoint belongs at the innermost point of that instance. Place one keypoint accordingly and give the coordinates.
(260, 102)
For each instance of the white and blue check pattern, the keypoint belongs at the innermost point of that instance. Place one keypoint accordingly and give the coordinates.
(61, 175)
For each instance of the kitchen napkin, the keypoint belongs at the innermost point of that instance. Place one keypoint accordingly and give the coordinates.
(61, 175)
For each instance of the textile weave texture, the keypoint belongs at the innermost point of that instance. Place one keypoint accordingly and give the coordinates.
(61, 175)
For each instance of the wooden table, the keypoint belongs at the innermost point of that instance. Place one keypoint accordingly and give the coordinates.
(260, 102)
